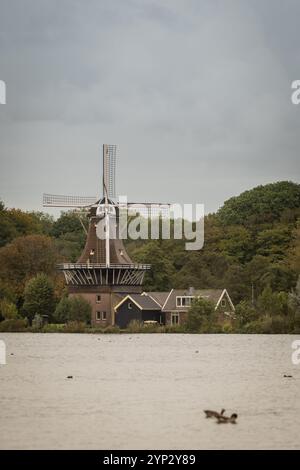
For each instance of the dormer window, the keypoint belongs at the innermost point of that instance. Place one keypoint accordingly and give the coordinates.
(184, 300)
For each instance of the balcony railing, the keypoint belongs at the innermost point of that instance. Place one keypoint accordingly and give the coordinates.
(70, 266)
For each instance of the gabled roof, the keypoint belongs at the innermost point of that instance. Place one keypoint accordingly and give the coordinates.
(214, 295)
(143, 302)
(159, 297)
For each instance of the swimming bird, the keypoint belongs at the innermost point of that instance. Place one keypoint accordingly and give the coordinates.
(213, 414)
(227, 419)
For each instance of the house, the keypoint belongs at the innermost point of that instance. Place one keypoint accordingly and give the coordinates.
(178, 302)
(170, 308)
(137, 307)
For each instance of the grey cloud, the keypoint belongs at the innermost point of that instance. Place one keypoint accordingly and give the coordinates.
(196, 94)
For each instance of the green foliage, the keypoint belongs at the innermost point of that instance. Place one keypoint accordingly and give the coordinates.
(273, 303)
(75, 327)
(53, 328)
(15, 223)
(24, 258)
(13, 325)
(200, 316)
(251, 244)
(63, 310)
(73, 309)
(8, 310)
(262, 204)
(81, 309)
(135, 326)
(245, 313)
(160, 276)
(39, 297)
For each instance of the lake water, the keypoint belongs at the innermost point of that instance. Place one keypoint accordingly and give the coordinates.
(148, 391)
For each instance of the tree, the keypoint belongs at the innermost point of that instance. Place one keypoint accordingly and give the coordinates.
(294, 304)
(273, 303)
(63, 310)
(24, 258)
(81, 309)
(74, 308)
(262, 204)
(68, 222)
(245, 313)
(200, 314)
(160, 276)
(39, 296)
(8, 310)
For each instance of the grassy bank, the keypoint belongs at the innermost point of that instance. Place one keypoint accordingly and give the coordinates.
(266, 326)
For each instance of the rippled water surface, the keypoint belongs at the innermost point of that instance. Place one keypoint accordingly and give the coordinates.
(148, 391)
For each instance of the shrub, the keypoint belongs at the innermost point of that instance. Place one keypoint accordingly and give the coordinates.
(200, 315)
(8, 310)
(74, 308)
(81, 309)
(13, 325)
(263, 325)
(53, 328)
(75, 327)
(173, 329)
(135, 326)
(245, 313)
(112, 329)
(227, 327)
(62, 311)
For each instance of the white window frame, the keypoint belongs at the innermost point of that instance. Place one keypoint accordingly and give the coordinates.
(175, 315)
(98, 301)
(129, 305)
(223, 302)
(187, 298)
(104, 315)
(98, 316)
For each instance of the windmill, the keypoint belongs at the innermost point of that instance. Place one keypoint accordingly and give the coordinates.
(104, 267)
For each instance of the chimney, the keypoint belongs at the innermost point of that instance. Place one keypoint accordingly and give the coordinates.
(191, 291)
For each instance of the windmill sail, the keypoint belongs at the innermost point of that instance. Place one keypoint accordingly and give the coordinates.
(56, 200)
(109, 170)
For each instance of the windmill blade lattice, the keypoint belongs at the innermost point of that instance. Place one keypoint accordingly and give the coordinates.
(109, 170)
(56, 200)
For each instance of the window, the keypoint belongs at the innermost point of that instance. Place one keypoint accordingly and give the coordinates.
(92, 252)
(184, 301)
(175, 318)
(223, 302)
(129, 306)
(98, 299)
(101, 316)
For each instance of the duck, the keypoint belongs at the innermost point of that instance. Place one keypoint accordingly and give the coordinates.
(213, 414)
(227, 419)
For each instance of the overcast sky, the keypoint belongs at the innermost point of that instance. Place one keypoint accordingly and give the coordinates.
(195, 93)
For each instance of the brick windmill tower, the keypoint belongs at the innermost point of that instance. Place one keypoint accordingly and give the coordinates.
(104, 272)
